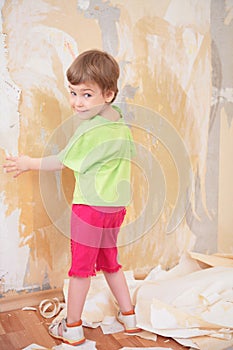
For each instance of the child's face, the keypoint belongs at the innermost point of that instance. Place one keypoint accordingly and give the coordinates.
(88, 100)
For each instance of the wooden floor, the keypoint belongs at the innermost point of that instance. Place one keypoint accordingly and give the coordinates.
(18, 329)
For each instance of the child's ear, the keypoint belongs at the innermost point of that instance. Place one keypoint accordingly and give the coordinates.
(109, 95)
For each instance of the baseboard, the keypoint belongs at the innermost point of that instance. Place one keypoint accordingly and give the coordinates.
(18, 301)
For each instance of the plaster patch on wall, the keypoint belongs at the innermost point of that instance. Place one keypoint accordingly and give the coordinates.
(125, 48)
(107, 16)
(176, 56)
(182, 12)
(190, 50)
(222, 95)
(38, 52)
(13, 256)
(59, 41)
(229, 12)
(83, 4)
(9, 100)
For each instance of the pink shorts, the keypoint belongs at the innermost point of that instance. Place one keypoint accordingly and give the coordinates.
(94, 232)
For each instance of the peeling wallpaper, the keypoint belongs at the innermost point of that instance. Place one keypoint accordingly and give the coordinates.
(176, 94)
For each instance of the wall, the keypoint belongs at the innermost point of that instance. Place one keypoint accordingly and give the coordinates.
(176, 93)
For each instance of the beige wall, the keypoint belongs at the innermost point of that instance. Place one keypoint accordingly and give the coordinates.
(168, 79)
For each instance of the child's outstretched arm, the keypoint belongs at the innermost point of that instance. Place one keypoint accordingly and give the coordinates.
(20, 164)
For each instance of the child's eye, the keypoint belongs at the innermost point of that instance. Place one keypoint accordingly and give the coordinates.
(87, 95)
(73, 93)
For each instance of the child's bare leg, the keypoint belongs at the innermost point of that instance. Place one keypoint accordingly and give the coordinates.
(78, 289)
(119, 288)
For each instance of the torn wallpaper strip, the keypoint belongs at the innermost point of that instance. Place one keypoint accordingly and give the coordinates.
(199, 308)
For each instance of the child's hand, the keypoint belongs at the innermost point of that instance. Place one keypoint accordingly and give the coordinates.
(18, 165)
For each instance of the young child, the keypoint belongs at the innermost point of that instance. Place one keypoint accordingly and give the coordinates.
(99, 153)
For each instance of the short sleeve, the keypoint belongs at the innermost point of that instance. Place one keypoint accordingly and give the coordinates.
(73, 155)
(98, 145)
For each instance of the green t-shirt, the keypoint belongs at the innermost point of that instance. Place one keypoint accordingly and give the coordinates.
(100, 154)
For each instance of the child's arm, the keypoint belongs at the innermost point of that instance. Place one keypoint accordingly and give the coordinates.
(20, 164)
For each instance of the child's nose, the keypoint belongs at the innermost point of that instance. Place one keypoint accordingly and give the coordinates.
(78, 101)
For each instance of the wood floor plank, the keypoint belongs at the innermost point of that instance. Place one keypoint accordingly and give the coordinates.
(18, 340)
(10, 322)
(101, 339)
(36, 327)
(2, 330)
(18, 329)
(5, 343)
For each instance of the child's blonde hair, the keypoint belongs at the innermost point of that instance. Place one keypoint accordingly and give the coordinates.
(95, 66)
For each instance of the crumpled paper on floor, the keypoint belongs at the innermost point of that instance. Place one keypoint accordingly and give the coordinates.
(35, 347)
(88, 345)
(192, 305)
(110, 325)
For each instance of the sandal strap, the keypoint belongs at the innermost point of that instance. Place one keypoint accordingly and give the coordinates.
(61, 323)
